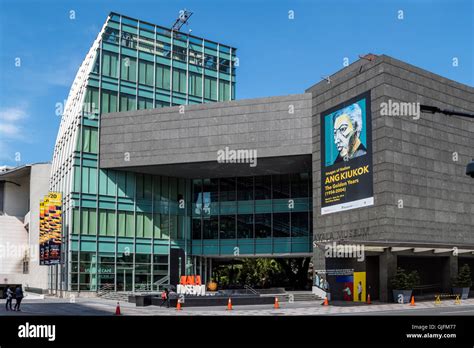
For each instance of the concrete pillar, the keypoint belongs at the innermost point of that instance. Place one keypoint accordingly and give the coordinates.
(449, 272)
(387, 269)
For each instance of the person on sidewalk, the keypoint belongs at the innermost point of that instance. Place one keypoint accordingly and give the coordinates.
(19, 297)
(9, 296)
(165, 298)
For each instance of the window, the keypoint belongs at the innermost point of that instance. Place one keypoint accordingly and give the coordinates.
(163, 76)
(300, 184)
(179, 80)
(281, 224)
(210, 226)
(127, 102)
(144, 186)
(91, 101)
(263, 186)
(227, 189)
(109, 64)
(88, 222)
(144, 225)
(263, 225)
(145, 73)
(90, 137)
(245, 226)
(195, 84)
(245, 189)
(210, 88)
(126, 224)
(106, 222)
(227, 226)
(281, 186)
(299, 224)
(109, 102)
(145, 103)
(224, 90)
(129, 69)
(111, 35)
(89, 180)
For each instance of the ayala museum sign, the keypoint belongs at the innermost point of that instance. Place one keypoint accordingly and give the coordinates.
(191, 285)
(346, 156)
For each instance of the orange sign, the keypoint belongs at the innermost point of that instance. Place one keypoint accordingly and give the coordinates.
(190, 280)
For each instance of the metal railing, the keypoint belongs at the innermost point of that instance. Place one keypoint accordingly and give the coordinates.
(250, 289)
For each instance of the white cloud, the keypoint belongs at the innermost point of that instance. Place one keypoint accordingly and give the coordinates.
(12, 114)
(11, 120)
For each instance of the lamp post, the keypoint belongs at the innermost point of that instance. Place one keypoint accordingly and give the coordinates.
(434, 109)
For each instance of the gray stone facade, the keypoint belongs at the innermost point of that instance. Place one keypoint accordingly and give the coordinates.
(414, 159)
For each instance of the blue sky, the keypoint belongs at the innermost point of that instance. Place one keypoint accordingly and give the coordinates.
(277, 55)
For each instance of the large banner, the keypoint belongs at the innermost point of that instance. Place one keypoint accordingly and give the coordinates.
(50, 229)
(346, 156)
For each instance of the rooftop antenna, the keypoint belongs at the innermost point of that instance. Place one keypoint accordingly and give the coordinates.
(182, 19)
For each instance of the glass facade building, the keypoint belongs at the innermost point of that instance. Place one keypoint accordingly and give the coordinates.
(132, 231)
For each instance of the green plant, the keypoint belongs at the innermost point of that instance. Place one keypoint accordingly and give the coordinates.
(463, 280)
(404, 280)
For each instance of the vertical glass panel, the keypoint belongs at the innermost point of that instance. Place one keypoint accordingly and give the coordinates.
(263, 225)
(165, 226)
(281, 224)
(129, 69)
(157, 226)
(299, 224)
(227, 189)
(85, 221)
(210, 227)
(92, 222)
(121, 224)
(102, 222)
(196, 233)
(147, 226)
(94, 147)
(245, 188)
(263, 186)
(139, 224)
(111, 222)
(227, 226)
(122, 183)
(300, 185)
(245, 226)
(281, 186)
(129, 224)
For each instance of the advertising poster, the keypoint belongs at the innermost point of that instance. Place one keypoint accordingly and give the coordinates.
(346, 156)
(41, 233)
(359, 287)
(45, 246)
(55, 223)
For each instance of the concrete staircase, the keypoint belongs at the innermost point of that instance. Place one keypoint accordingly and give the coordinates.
(303, 296)
(116, 296)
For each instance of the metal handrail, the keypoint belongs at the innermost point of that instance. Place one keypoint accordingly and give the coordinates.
(252, 290)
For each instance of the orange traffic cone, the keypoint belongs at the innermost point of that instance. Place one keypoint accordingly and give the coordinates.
(412, 303)
(276, 305)
(368, 299)
(117, 310)
(326, 302)
(178, 306)
(229, 305)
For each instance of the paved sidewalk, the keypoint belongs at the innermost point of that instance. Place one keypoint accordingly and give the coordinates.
(97, 306)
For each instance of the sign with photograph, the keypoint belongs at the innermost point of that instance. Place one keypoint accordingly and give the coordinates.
(346, 156)
(50, 229)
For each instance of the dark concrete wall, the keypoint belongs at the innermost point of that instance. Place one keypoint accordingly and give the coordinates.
(275, 127)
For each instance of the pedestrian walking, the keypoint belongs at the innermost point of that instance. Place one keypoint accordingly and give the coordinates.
(9, 297)
(18, 297)
(165, 298)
